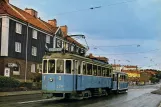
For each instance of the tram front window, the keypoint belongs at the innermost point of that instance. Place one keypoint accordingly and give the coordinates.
(51, 66)
(45, 66)
(68, 66)
(60, 66)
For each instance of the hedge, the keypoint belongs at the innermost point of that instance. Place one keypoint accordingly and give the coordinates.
(8, 82)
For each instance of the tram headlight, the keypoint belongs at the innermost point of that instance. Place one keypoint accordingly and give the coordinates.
(51, 80)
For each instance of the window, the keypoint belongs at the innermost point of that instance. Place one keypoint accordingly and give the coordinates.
(34, 51)
(33, 68)
(68, 65)
(99, 71)
(60, 66)
(51, 67)
(84, 68)
(72, 48)
(34, 34)
(103, 71)
(77, 49)
(89, 69)
(18, 47)
(66, 46)
(79, 67)
(45, 66)
(47, 39)
(95, 70)
(58, 43)
(108, 72)
(18, 28)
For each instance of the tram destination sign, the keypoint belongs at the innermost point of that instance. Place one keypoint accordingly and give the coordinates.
(55, 49)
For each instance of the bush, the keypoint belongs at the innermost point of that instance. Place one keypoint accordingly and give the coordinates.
(26, 84)
(8, 82)
(154, 80)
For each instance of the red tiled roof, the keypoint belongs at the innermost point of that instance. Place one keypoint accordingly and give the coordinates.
(116, 65)
(130, 66)
(98, 58)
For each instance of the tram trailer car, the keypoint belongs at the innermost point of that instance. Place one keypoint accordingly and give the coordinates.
(76, 77)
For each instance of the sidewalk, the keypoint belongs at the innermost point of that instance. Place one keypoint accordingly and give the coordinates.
(19, 93)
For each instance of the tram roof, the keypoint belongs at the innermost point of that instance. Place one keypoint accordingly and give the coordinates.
(73, 56)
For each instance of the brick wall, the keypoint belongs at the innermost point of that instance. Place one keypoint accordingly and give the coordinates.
(22, 64)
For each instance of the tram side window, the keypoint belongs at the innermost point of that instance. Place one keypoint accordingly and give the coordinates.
(89, 69)
(68, 66)
(120, 78)
(99, 71)
(79, 67)
(103, 71)
(45, 66)
(84, 68)
(51, 66)
(60, 66)
(108, 72)
(94, 70)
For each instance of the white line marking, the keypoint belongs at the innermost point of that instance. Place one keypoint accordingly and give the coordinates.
(36, 101)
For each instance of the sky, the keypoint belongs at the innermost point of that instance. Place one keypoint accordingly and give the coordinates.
(129, 32)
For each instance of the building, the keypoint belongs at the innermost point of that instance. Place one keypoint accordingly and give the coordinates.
(104, 59)
(129, 67)
(25, 38)
(133, 75)
(117, 67)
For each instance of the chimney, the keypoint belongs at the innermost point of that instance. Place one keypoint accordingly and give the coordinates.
(64, 29)
(53, 22)
(90, 55)
(32, 12)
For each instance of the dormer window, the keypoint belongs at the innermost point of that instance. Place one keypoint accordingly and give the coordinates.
(34, 34)
(18, 28)
(47, 39)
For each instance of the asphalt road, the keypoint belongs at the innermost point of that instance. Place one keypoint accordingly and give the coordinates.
(136, 97)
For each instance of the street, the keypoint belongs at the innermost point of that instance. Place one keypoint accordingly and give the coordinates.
(138, 96)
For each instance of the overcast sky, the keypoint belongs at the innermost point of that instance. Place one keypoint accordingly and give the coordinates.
(113, 31)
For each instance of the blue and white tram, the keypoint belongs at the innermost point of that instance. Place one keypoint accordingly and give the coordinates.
(73, 76)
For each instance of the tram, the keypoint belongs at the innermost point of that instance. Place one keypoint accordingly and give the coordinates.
(73, 76)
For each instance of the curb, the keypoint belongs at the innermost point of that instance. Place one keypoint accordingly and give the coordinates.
(2, 94)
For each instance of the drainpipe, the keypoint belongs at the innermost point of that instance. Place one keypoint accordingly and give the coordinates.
(26, 51)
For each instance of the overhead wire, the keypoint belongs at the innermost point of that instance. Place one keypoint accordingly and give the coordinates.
(131, 53)
(96, 7)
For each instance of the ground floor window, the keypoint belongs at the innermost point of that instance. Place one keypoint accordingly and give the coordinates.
(33, 69)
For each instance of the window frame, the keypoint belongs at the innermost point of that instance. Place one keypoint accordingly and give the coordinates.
(48, 39)
(65, 66)
(18, 47)
(34, 51)
(49, 66)
(34, 34)
(87, 68)
(18, 28)
(33, 65)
